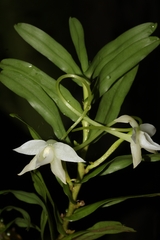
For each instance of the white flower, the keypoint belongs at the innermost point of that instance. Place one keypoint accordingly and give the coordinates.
(141, 138)
(48, 152)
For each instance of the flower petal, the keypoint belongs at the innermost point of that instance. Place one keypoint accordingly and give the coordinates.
(29, 167)
(44, 157)
(136, 154)
(57, 169)
(147, 143)
(66, 153)
(31, 147)
(148, 128)
(127, 119)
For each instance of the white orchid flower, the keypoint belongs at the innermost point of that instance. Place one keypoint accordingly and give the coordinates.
(48, 152)
(141, 138)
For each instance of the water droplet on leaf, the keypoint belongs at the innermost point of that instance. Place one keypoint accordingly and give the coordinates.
(108, 77)
(152, 26)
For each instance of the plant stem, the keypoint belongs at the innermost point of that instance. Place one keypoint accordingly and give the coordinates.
(104, 156)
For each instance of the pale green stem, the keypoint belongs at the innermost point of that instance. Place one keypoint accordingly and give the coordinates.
(114, 146)
(86, 122)
(86, 104)
(81, 167)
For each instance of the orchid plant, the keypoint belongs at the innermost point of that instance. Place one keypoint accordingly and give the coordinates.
(105, 82)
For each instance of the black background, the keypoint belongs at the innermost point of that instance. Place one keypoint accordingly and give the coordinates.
(102, 21)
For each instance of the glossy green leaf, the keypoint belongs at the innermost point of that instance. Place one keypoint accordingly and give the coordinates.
(21, 222)
(88, 209)
(40, 187)
(121, 199)
(33, 133)
(42, 190)
(47, 46)
(128, 43)
(56, 214)
(125, 61)
(98, 230)
(27, 197)
(38, 184)
(45, 82)
(111, 101)
(108, 227)
(124, 161)
(117, 164)
(43, 222)
(96, 171)
(151, 157)
(36, 96)
(111, 49)
(77, 35)
(75, 235)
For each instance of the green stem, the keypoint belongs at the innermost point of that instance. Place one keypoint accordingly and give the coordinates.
(72, 206)
(87, 98)
(114, 146)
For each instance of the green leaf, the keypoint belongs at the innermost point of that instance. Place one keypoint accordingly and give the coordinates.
(96, 171)
(25, 215)
(109, 227)
(77, 35)
(21, 222)
(33, 133)
(151, 157)
(38, 184)
(27, 197)
(87, 210)
(30, 198)
(112, 100)
(124, 161)
(100, 229)
(125, 61)
(42, 189)
(47, 83)
(110, 50)
(47, 46)
(117, 164)
(75, 235)
(43, 222)
(36, 96)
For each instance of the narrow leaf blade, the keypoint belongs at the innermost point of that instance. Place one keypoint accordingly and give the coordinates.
(37, 98)
(125, 61)
(111, 49)
(47, 46)
(77, 35)
(45, 82)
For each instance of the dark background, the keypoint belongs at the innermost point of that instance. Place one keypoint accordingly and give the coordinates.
(103, 21)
